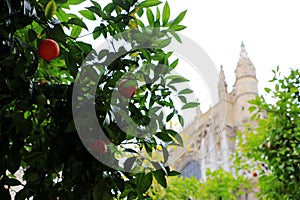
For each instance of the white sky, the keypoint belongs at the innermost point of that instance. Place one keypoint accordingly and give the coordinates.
(270, 30)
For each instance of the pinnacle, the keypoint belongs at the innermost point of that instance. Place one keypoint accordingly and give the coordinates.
(222, 75)
(244, 55)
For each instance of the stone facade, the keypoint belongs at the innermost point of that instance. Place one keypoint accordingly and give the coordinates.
(209, 139)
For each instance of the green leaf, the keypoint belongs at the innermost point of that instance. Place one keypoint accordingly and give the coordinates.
(140, 12)
(130, 150)
(103, 53)
(97, 5)
(76, 30)
(109, 8)
(122, 4)
(62, 15)
(150, 16)
(150, 3)
(181, 120)
(78, 22)
(174, 173)
(87, 14)
(143, 182)
(177, 27)
(166, 14)
(169, 117)
(50, 9)
(129, 163)
(174, 64)
(190, 105)
(87, 48)
(175, 35)
(140, 23)
(148, 148)
(94, 10)
(31, 35)
(164, 136)
(61, 4)
(251, 108)
(164, 43)
(268, 90)
(176, 79)
(290, 169)
(173, 77)
(75, 2)
(157, 14)
(179, 139)
(186, 91)
(160, 177)
(97, 32)
(58, 33)
(179, 18)
(172, 132)
(165, 154)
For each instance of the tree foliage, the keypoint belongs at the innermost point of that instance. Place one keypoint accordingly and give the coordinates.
(273, 147)
(37, 131)
(218, 185)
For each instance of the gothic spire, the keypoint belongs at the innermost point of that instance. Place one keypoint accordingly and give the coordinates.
(222, 86)
(243, 51)
(245, 81)
(221, 75)
(198, 110)
(244, 66)
(244, 56)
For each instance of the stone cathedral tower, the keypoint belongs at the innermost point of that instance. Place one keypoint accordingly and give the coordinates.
(209, 139)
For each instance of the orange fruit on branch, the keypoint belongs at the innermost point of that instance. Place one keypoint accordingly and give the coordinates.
(98, 147)
(127, 88)
(254, 174)
(48, 49)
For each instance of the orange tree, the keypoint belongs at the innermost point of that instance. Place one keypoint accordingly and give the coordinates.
(219, 184)
(273, 147)
(37, 131)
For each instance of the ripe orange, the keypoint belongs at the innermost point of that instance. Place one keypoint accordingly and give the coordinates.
(254, 174)
(269, 146)
(43, 82)
(126, 91)
(48, 49)
(98, 146)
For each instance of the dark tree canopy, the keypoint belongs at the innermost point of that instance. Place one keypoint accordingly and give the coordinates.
(37, 132)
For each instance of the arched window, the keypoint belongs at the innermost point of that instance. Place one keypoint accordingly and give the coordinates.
(192, 169)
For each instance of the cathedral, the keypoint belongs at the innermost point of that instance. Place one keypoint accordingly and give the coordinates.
(209, 139)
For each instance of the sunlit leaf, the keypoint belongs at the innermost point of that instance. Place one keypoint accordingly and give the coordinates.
(149, 3)
(160, 177)
(78, 22)
(150, 16)
(166, 14)
(50, 9)
(87, 14)
(186, 91)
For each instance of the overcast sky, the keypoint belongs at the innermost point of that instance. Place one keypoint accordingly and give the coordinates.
(269, 29)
